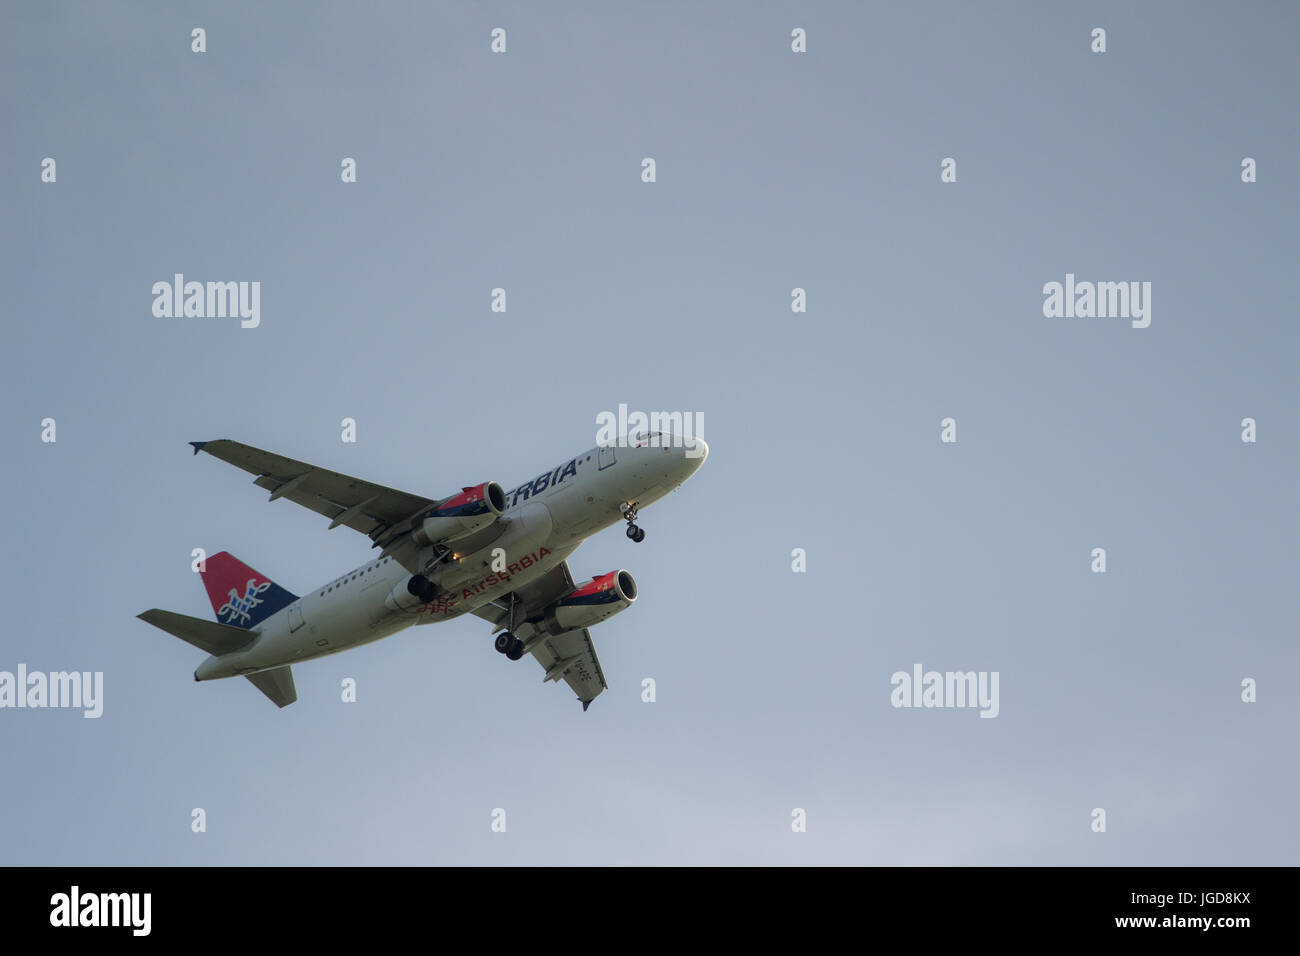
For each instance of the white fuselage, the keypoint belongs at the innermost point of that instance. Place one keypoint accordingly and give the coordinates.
(544, 522)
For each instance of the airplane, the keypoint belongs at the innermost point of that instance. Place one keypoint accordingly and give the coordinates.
(501, 556)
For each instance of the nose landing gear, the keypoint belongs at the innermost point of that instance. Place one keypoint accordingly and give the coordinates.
(633, 532)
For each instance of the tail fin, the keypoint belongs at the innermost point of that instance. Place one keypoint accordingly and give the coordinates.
(240, 595)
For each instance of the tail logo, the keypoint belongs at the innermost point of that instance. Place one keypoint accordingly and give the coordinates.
(238, 607)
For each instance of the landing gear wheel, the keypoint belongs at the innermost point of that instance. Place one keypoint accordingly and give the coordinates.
(515, 650)
(503, 642)
(629, 513)
(421, 587)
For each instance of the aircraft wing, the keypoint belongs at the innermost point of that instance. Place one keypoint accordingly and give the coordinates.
(570, 656)
(378, 512)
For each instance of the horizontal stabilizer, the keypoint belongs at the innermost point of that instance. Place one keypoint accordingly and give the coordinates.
(205, 635)
(276, 684)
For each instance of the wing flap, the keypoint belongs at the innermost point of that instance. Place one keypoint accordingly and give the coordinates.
(573, 654)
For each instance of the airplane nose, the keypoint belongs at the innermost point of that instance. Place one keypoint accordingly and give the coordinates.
(698, 452)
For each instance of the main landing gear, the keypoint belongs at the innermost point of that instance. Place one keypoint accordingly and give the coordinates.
(421, 587)
(633, 532)
(509, 645)
(506, 643)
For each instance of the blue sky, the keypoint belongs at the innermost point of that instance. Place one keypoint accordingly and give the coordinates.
(775, 170)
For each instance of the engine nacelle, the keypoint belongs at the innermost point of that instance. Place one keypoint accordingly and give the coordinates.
(463, 514)
(599, 599)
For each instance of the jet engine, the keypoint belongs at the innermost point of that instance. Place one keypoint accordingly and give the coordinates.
(460, 515)
(599, 599)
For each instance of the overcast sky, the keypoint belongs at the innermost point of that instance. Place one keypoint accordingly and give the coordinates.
(775, 170)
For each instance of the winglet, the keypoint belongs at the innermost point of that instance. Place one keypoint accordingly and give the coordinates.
(585, 705)
(198, 446)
